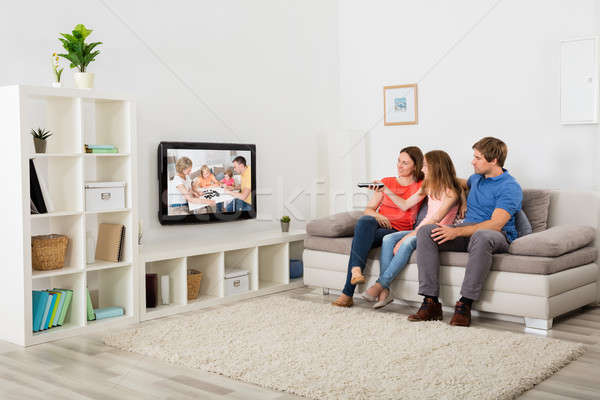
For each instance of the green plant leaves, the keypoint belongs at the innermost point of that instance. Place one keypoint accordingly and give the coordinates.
(40, 133)
(78, 52)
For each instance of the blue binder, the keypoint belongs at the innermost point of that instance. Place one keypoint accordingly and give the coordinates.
(40, 299)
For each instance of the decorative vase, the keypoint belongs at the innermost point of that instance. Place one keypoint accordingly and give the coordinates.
(40, 145)
(56, 84)
(285, 226)
(84, 80)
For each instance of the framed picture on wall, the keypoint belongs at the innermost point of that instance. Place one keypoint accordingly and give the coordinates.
(400, 105)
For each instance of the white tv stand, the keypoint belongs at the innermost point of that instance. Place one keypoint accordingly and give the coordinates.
(265, 255)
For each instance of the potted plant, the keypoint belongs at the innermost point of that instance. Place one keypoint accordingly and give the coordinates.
(285, 223)
(80, 54)
(39, 139)
(57, 72)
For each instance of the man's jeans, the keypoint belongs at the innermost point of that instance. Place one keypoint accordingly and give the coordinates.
(390, 264)
(238, 205)
(367, 234)
(481, 245)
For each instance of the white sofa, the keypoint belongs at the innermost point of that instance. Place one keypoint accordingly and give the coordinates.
(536, 288)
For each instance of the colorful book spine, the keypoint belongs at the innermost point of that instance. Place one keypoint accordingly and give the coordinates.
(90, 308)
(40, 299)
(61, 304)
(65, 310)
(50, 310)
(101, 151)
(100, 146)
(54, 313)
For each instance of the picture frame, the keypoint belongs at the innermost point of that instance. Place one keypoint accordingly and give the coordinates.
(400, 105)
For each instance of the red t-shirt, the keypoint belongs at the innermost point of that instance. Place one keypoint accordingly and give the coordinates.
(400, 220)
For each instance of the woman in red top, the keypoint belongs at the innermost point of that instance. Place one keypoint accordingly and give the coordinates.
(381, 217)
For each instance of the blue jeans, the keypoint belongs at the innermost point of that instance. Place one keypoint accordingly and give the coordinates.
(238, 205)
(367, 234)
(390, 264)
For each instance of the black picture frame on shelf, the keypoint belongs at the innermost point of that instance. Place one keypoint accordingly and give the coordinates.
(165, 218)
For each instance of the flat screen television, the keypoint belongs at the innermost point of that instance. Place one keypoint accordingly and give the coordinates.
(205, 182)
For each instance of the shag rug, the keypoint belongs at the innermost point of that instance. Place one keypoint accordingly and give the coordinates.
(324, 352)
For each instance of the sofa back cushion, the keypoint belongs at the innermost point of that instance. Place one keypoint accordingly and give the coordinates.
(336, 225)
(536, 203)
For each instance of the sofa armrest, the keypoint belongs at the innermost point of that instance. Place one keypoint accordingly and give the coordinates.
(553, 242)
(336, 225)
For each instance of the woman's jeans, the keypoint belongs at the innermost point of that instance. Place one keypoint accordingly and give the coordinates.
(367, 234)
(390, 264)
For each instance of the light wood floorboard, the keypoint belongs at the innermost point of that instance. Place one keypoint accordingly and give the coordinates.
(84, 368)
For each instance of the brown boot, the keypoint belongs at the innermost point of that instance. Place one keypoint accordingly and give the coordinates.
(462, 314)
(343, 301)
(429, 311)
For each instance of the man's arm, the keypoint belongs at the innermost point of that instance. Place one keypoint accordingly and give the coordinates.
(445, 233)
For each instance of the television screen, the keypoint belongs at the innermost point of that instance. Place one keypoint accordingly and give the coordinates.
(201, 182)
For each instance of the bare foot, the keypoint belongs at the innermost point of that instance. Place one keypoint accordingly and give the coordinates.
(357, 276)
(343, 301)
(383, 294)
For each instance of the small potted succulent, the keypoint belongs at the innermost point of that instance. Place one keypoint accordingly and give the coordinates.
(285, 223)
(39, 139)
(80, 54)
(57, 71)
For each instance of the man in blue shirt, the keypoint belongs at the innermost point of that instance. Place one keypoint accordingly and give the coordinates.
(489, 227)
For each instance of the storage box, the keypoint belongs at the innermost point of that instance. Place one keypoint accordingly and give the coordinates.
(101, 196)
(296, 269)
(236, 281)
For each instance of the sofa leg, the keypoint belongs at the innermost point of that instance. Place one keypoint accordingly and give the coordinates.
(325, 292)
(534, 323)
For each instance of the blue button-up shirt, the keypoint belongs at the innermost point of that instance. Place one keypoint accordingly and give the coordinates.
(487, 194)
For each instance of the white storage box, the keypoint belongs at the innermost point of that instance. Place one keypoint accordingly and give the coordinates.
(236, 281)
(101, 196)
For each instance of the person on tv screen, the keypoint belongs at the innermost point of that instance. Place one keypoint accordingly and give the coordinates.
(206, 179)
(228, 179)
(242, 200)
(183, 184)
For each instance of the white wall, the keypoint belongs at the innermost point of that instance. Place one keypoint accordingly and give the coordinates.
(267, 68)
(502, 80)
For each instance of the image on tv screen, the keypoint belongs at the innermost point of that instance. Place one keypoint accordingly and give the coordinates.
(208, 181)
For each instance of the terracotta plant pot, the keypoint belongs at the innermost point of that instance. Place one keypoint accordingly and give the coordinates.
(40, 145)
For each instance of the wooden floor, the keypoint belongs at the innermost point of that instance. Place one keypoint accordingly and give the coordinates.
(84, 368)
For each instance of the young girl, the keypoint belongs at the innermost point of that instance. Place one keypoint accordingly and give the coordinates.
(228, 179)
(445, 196)
(206, 179)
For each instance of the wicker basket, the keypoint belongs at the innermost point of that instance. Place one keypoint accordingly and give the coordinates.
(48, 252)
(193, 284)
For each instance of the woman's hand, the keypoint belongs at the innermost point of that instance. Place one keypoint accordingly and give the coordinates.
(462, 210)
(383, 221)
(397, 246)
(374, 188)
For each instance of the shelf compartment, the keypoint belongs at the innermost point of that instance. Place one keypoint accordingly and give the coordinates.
(113, 287)
(70, 226)
(61, 116)
(62, 177)
(107, 122)
(273, 261)
(93, 220)
(212, 268)
(246, 259)
(109, 169)
(176, 270)
(75, 316)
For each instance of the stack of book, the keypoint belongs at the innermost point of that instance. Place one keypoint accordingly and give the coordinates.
(50, 307)
(41, 202)
(101, 148)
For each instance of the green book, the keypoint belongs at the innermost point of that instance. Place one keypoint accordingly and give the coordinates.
(102, 150)
(90, 309)
(67, 303)
(53, 314)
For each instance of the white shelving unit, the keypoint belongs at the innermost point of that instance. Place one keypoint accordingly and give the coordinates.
(75, 117)
(265, 255)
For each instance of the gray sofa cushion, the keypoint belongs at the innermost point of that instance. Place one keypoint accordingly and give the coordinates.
(535, 204)
(553, 242)
(501, 262)
(336, 225)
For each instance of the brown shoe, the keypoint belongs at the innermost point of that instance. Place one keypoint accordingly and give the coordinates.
(462, 314)
(429, 311)
(343, 301)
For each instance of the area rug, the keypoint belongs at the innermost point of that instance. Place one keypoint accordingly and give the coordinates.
(324, 352)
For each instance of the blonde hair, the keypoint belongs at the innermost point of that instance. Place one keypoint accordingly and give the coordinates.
(441, 175)
(204, 168)
(182, 164)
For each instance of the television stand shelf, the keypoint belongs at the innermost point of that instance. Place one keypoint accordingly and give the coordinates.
(265, 255)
